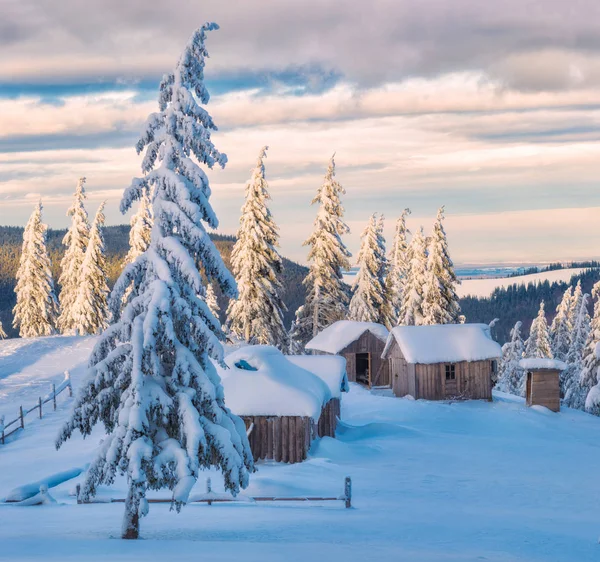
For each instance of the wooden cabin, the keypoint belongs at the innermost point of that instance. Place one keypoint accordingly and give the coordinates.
(542, 385)
(442, 362)
(283, 405)
(361, 344)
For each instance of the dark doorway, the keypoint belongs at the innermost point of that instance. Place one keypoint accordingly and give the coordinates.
(363, 369)
(528, 390)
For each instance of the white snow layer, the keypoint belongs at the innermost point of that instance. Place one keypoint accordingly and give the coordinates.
(444, 343)
(277, 387)
(340, 334)
(534, 363)
(331, 369)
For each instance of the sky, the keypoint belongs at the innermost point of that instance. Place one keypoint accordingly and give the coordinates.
(491, 109)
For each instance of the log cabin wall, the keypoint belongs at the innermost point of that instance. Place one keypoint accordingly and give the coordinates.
(543, 389)
(379, 368)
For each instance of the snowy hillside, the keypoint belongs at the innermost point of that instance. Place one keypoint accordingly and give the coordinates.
(431, 481)
(485, 287)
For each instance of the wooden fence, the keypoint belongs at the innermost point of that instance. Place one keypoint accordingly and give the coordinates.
(19, 421)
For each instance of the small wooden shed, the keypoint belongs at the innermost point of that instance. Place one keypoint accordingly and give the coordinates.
(361, 344)
(441, 362)
(284, 406)
(542, 383)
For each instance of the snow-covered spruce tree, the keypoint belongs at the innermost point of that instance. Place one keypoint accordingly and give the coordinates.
(76, 241)
(591, 361)
(575, 306)
(398, 270)
(538, 343)
(561, 328)
(90, 312)
(294, 345)
(412, 301)
(440, 301)
(369, 288)
(151, 381)
(36, 309)
(2, 332)
(511, 377)
(211, 300)
(141, 229)
(257, 314)
(327, 296)
(571, 378)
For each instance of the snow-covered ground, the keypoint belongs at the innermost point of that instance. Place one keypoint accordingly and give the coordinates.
(485, 287)
(431, 481)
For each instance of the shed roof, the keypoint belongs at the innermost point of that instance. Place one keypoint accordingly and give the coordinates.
(260, 381)
(542, 364)
(331, 369)
(341, 334)
(444, 343)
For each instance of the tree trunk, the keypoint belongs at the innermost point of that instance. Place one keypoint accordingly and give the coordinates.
(131, 518)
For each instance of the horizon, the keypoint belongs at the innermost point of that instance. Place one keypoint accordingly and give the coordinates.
(494, 117)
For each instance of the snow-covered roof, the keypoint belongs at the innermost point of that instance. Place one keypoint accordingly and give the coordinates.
(331, 369)
(444, 343)
(542, 364)
(341, 334)
(260, 381)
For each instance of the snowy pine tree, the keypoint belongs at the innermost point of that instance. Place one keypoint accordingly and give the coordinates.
(36, 309)
(572, 390)
(398, 271)
(412, 302)
(369, 288)
(2, 332)
(575, 306)
(326, 294)
(257, 314)
(90, 312)
(538, 343)
(211, 300)
(440, 301)
(294, 345)
(151, 381)
(560, 331)
(511, 376)
(591, 361)
(141, 229)
(76, 241)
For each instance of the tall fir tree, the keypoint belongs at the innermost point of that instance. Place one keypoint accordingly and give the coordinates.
(369, 290)
(398, 271)
(572, 390)
(561, 328)
(575, 305)
(412, 302)
(511, 377)
(326, 293)
(294, 345)
(141, 229)
(211, 300)
(76, 240)
(151, 381)
(591, 359)
(538, 344)
(35, 313)
(90, 312)
(440, 301)
(257, 314)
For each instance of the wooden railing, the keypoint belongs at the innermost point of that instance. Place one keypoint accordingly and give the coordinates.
(19, 421)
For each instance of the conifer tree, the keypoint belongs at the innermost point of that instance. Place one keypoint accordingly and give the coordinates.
(591, 361)
(326, 294)
(141, 229)
(257, 314)
(2, 332)
(538, 343)
(294, 346)
(91, 309)
(36, 309)
(76, 241)
(367, 299)
(575, 306)
(511, 377)
(412, 303)
(572, 390)
(211, 301)
(151, 381)
(398, 271)
(560, 331)
(440, 301)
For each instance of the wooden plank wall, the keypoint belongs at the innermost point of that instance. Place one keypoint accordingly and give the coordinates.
(367, 343)
(545, 390)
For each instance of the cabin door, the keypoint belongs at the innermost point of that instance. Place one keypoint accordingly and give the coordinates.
(363, 368)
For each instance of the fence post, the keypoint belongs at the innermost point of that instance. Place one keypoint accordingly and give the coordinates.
(54, 395)
(22, 417)
(68, 377)
(209, 490)
(78, 492)
(40, 406)
(348, 491)
(2, 427)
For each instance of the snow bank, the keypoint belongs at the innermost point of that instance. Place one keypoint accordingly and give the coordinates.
(534, 364)
(341, 334)
(277, 387)
(30, 490)
(331, 369)
(444, 343)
